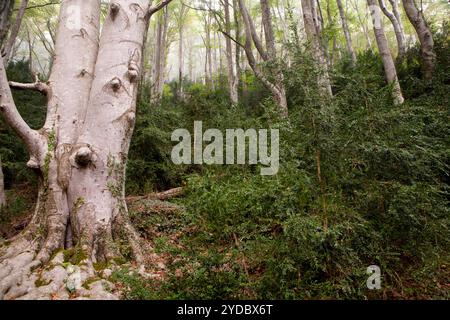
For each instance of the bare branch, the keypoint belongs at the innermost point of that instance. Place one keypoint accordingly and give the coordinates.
(36, 86)
(232, 39)
(41, 5)
(12, 116)
(159, 6)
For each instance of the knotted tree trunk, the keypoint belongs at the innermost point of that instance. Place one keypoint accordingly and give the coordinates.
(80, 153)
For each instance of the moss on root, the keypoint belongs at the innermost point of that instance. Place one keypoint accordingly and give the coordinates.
(74, 256)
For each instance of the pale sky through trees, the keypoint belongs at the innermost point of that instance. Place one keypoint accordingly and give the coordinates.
(36, 22)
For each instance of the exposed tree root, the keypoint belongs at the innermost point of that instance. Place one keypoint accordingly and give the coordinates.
(23, 277)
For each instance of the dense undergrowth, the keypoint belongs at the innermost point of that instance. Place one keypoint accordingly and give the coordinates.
(361, 182)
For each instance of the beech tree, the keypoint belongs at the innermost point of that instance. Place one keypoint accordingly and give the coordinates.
(233, 82)
(417, 19)
(396, 21)
(383, 47)
(14, 32)
(267, 53)
(159, 61)
(348, 38)
(313, 37)
(80, 153)
(6, 8)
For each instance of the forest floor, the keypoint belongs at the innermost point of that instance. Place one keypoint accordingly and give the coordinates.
(163, 231)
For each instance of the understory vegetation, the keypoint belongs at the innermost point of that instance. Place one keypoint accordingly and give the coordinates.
(361, 183)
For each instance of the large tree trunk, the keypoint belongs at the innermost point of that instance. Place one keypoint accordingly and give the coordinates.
(419, 23)
(14, 32)
(80, 154)
(6, 8)
(348, 38)
(317, 53)
(399, 35)
(385, 53)
(2, 187)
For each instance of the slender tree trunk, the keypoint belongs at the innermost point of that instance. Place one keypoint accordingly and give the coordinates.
(157, 57)
(232, 82)
(80, 154)
(363, 24)
(419, 23)
(209, 51)
(164, 52)
(385, 53)
(348, 39)
(237, 47)
(6, 8)
(399, 35)
(180, 62)
(318, 55)
(2, 187)
(275, 86)
(14, 32)
(396, 11)
(160, 55)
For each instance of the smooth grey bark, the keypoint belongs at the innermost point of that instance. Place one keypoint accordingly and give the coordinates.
(323, 79)
(80, 153)
(231, 73)
(6, 8)
(396, 11)
(14, 32)
(385, 53)
(398, 30)
(348, 38)
(417, 19)
(237, 47)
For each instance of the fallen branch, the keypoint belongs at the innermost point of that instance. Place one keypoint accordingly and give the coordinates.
(36, 86)
(164, 195)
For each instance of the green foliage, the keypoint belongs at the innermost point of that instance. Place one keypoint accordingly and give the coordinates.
(361, 182)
